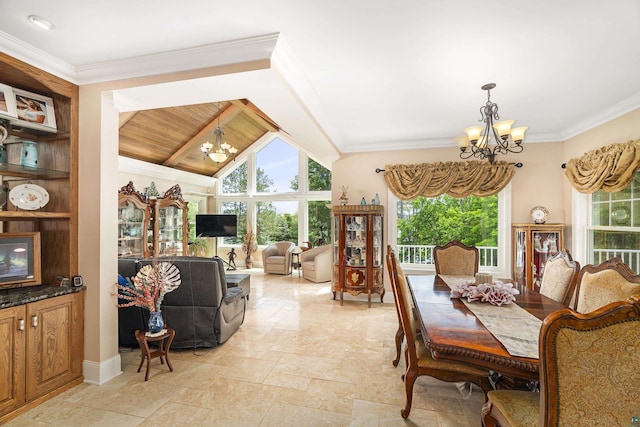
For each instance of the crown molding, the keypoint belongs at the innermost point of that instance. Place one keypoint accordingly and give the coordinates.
(617, 110)
(211, 55)
(36, 57)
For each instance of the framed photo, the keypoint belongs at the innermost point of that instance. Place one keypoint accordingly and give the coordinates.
(35, 108)
(7, 101)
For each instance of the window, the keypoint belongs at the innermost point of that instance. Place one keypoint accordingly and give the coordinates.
(423, 223)
(194, 207)
(238, 208)
(280, 193)
(614, 229)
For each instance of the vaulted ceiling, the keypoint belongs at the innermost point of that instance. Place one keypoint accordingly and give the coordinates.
(173, 136)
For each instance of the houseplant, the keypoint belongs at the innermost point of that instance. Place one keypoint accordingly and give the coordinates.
(199, 247)
(249, 246)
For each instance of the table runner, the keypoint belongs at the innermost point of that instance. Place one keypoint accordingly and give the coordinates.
(516, 328)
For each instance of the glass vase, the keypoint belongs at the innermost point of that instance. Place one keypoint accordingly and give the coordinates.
(156, 322)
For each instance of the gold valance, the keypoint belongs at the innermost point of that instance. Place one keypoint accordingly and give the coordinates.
(609, 168)
(457, 179)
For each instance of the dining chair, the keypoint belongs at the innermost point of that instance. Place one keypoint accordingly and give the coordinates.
(599, 285)
(560, 277)
(456, 259)
(418, 358)
(588, 372)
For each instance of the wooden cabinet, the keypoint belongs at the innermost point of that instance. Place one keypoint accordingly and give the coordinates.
(134, 216)
(358, 251)
(170, 224)
(533, 244)
(57, 170)
(41, 350)
(156, 226)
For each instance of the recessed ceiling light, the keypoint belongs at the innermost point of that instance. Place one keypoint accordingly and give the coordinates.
(41, 22)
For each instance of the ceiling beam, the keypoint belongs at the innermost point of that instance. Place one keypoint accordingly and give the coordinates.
(224, 117)
(257, 115)
(125, 117)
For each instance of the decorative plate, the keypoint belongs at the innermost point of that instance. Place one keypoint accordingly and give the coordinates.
(621, 215)
(539, 214)
(29, 197)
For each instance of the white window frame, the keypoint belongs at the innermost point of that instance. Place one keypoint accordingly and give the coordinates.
(503, 269)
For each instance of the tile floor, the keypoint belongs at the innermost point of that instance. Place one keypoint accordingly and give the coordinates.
(299, 359)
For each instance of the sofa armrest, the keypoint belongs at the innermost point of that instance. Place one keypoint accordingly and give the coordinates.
(232, 295)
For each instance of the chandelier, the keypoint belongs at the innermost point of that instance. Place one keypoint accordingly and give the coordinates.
(220, 150)
(485, 142)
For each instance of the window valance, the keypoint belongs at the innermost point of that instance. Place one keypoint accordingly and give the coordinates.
(609, 168)
(457, 179)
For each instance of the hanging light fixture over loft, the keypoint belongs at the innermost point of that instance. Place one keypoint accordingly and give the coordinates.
(220, 150)
(485, 142)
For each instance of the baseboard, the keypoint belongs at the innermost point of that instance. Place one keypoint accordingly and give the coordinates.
(100, 372)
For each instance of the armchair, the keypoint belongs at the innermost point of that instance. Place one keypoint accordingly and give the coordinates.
(588, 372)
(276, 258)
(316, 264)
(456, 259)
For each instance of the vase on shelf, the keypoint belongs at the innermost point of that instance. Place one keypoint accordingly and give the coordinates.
(156, 322)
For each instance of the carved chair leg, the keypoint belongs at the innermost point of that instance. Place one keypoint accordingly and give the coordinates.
(399, 338)
(409, 380)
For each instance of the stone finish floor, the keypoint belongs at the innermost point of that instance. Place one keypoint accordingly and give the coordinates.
(299, 359)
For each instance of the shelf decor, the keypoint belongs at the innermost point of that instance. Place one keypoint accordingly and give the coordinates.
(35, 108)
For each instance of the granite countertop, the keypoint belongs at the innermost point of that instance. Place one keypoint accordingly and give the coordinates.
(27, 294)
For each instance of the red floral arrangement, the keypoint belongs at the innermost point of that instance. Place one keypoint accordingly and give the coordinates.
(496, 293)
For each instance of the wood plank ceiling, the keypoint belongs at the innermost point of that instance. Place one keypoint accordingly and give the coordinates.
(172, 136)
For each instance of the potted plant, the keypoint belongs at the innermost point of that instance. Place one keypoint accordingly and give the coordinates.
(249, 246)
(199, 247)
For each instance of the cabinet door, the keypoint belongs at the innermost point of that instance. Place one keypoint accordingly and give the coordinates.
(54, 343)
(171, 227)
(12, 340)
(133, 221)
(545, 245)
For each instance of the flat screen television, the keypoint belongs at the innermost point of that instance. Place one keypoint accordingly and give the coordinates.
(20, 259)
(217, 225)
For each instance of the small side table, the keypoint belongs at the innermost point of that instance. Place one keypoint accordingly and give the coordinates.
(295, 263)
(162, 351)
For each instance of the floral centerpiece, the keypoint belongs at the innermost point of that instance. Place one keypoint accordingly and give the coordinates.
(148, 288)
(496, 293)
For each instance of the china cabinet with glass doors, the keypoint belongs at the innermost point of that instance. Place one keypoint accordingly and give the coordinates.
(358, 251)
(170, 224)
(533, 245)
(152, 226)
(134, 214)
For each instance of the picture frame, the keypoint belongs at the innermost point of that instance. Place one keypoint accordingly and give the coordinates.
(34, 108)
(7, 101)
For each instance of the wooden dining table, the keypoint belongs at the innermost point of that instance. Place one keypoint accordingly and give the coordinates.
(452, 332)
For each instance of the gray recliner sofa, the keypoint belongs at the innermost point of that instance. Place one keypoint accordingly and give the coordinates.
(202, 311)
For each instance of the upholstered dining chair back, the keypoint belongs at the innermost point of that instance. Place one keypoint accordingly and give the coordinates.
(599, 285)
(276, 258)
(560, 277)
(418, 358)
(456, 259)
(589, 372)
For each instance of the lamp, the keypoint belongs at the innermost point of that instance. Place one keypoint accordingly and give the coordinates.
(478, 139)
(220, 150)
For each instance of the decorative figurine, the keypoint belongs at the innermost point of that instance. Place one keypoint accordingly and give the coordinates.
(232, 259)
(363, 202)
(343, 196)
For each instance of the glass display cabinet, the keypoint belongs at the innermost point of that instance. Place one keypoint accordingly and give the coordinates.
(533, 244)
(157, 226)
(133, 223)
(358, 251)
(170, 224)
